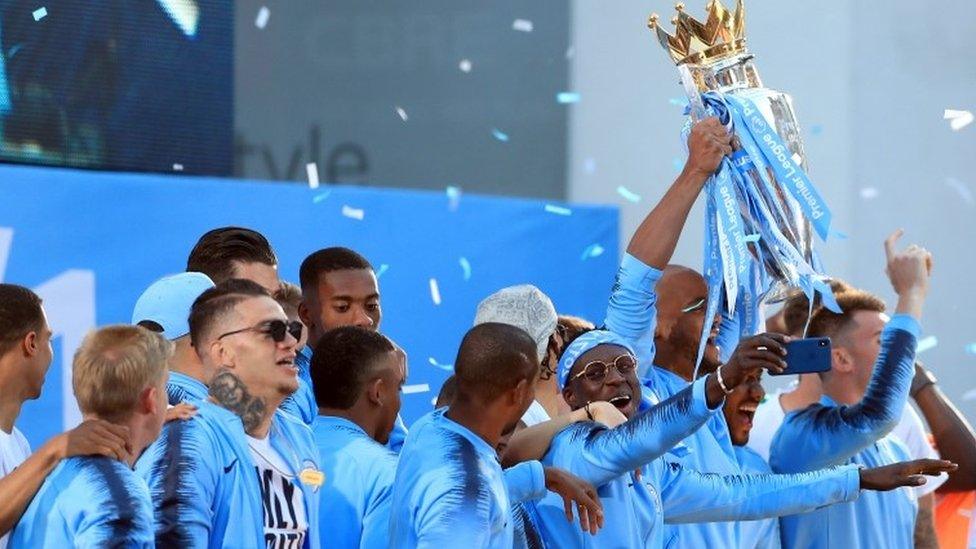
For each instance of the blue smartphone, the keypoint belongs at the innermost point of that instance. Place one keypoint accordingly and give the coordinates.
(807, 356)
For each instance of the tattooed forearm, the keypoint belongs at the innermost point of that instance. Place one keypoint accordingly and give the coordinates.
(230, 392)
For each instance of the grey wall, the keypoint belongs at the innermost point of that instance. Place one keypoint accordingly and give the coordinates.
(324, 73)
(869, 84)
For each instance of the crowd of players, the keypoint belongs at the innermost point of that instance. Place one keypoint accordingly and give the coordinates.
(238, 410)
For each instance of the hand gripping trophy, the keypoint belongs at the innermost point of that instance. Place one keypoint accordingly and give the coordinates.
(762, 208)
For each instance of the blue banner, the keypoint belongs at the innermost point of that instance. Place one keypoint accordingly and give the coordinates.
(90, 242)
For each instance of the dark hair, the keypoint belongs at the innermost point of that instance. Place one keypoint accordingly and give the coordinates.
(217, 302)
(217, 250)
(796, 310)
(494, 358)
(446, 395)
(328, 260)
(20, 314)
(826, 323)
(342, 363)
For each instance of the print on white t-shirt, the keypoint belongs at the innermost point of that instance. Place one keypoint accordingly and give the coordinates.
(285, 518)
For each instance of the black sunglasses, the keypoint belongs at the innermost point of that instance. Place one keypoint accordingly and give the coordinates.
(275, 329)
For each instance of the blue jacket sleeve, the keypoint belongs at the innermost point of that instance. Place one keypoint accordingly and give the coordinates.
(605, 454)
(632, 313)
(690, 496)
(820, 436)
(525, 482)
(182, 485)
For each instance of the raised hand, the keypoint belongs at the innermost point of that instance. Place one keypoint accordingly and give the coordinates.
(909, 272)
(905, 473)
(575, 490)
(708, 143)
(96, 437)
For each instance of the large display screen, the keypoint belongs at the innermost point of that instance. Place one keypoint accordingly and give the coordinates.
(134, 85)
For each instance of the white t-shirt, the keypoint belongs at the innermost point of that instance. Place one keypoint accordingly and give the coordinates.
(911, 431)
(285, 517)
(535, 414)
(14, 449)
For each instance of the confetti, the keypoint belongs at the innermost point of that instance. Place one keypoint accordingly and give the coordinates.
(971, 349)
(312, 170)
(402, 113)
(678, 164)
(869, 193)
(558, 210)
(678, 102)
(962, 189)
(499, 135)
(751, 238)
(261, 20)
(453, 197)
(629, 195)
(589, 165)
(593, 250)
(40, 13)
(838, 234)
(797, 159)
(466, 267)
(435, 292)
(353, 213)
(522, 25)
(570, 52)
(177, 167)
(321, 196)
(816, 129)
(6, 240)
(969, 395)
(383, 268)
(958, 119)
(926, 343)
(414, 389)
(446, 367)
(565, 98)
(465, 65)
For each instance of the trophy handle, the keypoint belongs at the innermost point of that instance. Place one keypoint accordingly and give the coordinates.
(694, 97)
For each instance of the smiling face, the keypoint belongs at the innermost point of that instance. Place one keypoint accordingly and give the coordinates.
(740, 407)
(681, 308)
(620, 389)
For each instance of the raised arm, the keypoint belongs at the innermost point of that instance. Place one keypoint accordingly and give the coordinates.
(92, 437)
(822, 436)
(532, 443)
(631, 311)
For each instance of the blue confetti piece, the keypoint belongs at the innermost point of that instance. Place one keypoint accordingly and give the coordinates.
(383, 268)
(816, 129)
(564, 98)
(499, 135)
(971, 349)
(466, 267)
(679, 102)
(591, 251)
(926, 343)
(838, 235)
(558, 210)
(678, 164)
(40, 13)
(321, 196)
(446, 367)
(628, 194)
(751, 238)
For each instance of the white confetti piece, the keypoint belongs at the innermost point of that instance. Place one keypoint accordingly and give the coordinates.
(499, 135)
(962, 189)
(321, 196)
(383, 268)
(969, 395)
(40, 13)
(177, 167)
(926, 343)
(353, 213)
(414, 389)
(869, 193)
(465, 267)
(558, 210)
(465, 65)
(958, 119)
(629, 195)
(593, 250)
(522, 25)
(565, 98)
(402, 113)
(312, 170)
(261, 20)
(453, 197)
(435, 292)
(446, 367)
(6, 240)
(797, 159)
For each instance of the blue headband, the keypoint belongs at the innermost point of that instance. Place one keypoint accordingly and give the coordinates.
(584, 343)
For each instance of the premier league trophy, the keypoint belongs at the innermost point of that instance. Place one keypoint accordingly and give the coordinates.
(762, 209)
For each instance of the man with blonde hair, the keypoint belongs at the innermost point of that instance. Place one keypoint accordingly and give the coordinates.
(119, 376)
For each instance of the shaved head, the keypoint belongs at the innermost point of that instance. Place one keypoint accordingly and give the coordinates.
(681, 306)
(494, 358)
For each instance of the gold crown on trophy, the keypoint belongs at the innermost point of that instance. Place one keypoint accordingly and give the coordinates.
(696, 43)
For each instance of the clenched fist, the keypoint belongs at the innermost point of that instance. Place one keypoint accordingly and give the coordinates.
(708, 143)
